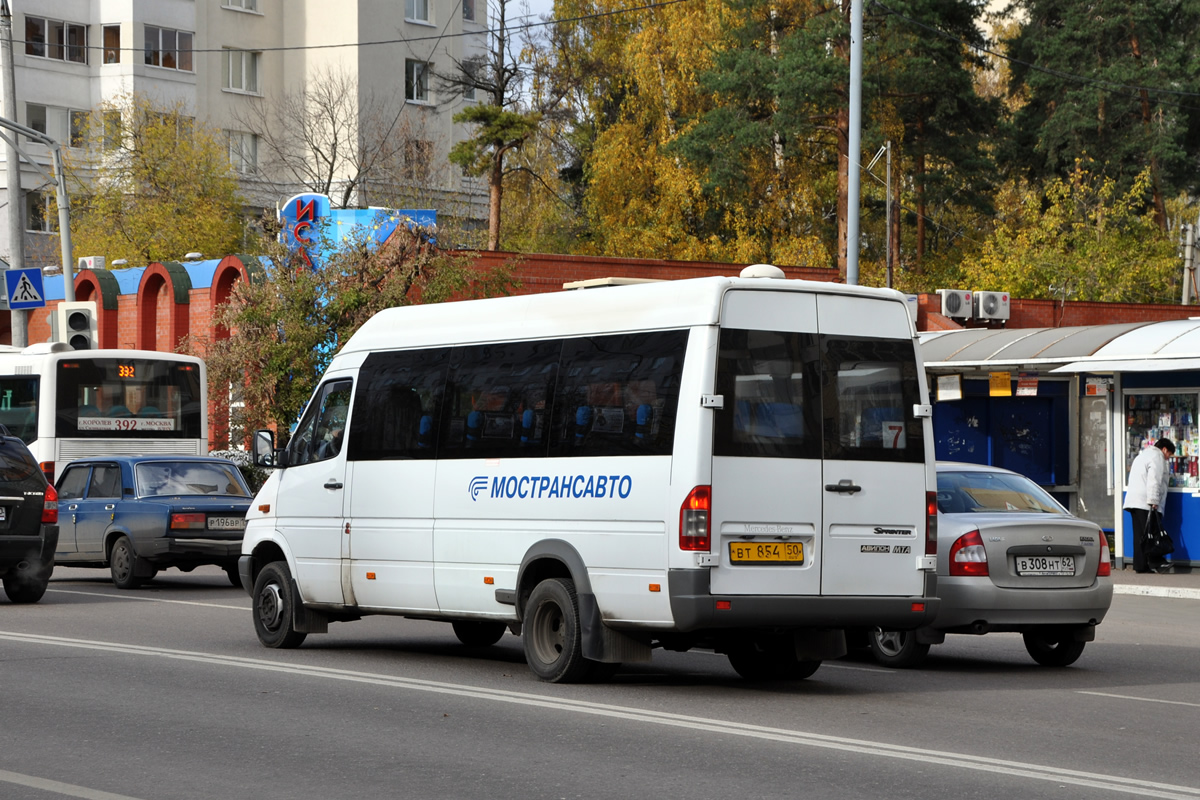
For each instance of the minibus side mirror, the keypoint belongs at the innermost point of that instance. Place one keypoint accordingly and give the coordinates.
(264, 452)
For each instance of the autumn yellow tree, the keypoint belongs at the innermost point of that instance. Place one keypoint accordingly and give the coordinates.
(152, 185)
(1079, 238)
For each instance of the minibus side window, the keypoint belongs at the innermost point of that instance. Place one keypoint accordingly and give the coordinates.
(398, 405)
(768, 382)
(870, 388)
(498, 399)
(319, 434)
(618, 395)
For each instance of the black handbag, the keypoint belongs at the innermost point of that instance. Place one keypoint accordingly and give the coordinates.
(1156, 542)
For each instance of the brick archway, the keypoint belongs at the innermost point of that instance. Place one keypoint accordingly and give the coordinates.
(102, 288)
(163, 307)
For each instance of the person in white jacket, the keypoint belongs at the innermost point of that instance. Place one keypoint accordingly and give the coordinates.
(1145, 495)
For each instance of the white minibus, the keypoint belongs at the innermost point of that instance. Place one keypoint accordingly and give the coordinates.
(67, 404)
(742, 464)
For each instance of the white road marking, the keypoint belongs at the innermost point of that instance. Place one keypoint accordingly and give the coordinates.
(1019, 769)
(66, 789)
(150, 599)
(1142, 699)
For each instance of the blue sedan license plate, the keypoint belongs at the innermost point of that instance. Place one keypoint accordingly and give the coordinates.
(226, 523)
(1045, 565)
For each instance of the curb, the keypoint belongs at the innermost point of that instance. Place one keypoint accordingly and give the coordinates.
(1157, 591)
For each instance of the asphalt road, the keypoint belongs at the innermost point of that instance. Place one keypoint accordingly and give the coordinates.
(164, 692)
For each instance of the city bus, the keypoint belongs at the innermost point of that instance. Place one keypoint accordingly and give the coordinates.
(67, 404)
(744, 465)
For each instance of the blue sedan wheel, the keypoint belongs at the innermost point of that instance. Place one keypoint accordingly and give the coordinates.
(121, 564)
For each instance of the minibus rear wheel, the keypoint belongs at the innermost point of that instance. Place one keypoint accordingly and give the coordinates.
(273, 608)
(552, 638)
(479, 633)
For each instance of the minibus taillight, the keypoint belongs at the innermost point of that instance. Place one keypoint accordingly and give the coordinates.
(931, 523)
(48, 470)
(694, 519)
(1105, 559)
(968, 556)
(50, 506)
(187, 522)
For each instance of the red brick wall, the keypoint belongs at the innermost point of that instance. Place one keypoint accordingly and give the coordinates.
(541, 272)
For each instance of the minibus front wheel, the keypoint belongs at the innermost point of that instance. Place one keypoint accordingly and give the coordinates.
(273, 608)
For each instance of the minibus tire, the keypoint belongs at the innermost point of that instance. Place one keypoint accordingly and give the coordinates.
(475, 633)
(758, 665)
(552, 639)
(273, 610)
(1053, 649)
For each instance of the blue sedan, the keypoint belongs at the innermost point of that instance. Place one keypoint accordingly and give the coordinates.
(139, 514)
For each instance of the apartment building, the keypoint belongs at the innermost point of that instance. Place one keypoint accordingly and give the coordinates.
(367, 67)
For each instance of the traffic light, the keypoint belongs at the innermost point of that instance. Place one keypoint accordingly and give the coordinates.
(77, 324)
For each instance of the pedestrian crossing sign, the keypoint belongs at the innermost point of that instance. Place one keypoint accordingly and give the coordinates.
(25, 288)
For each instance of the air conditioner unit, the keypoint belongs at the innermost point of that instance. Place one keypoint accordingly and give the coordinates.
(956, 303)
(991, 305)
(91, 262)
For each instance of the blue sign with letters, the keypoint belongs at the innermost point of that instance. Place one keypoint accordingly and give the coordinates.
(25, 288)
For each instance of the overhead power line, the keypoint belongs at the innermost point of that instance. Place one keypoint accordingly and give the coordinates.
(383, 42)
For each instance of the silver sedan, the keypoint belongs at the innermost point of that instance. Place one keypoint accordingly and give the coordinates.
(1010, 559)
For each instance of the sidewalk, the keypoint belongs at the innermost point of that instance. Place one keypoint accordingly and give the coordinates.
(1175, 584)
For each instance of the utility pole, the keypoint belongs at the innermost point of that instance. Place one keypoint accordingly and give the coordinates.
(853, 187)
(16, 232)
(1189, 263)
(888, 213)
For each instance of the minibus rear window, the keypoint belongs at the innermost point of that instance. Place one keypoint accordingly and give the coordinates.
(768, 381)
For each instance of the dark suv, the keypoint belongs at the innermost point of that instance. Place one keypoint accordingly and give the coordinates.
(28, 523)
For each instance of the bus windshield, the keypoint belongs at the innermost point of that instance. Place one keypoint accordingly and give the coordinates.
(128, 398)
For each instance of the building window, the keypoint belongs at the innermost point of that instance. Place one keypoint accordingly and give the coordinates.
(468, 10)
(241, 5)
(418, 155)
(63, 125)
(416, 81)
(239, 71)
(168, 48)
(52, 38)
(243, 152)
(112, 130)
(112, 44)
(39, 213)
(470, 70)
(416, 10)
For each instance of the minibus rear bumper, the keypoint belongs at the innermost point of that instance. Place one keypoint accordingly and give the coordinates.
(694, 608)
